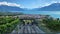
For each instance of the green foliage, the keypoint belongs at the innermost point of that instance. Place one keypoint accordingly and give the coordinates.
(5, 13)
(7, 24)
(53, 24)
(5, 20)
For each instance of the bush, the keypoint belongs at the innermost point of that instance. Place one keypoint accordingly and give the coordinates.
(52, 24)
(7, 27)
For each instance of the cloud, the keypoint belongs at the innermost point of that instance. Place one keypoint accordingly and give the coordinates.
(9, 4)
(49, 3)
(55, 2)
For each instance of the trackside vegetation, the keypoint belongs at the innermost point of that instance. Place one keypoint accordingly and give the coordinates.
(7, 24)
(52, 24)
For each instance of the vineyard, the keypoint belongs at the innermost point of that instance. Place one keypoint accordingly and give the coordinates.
(7, 24)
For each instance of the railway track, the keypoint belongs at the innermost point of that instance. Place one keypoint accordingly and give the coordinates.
(27, 29)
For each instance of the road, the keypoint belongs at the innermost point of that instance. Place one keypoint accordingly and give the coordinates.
(27, 29)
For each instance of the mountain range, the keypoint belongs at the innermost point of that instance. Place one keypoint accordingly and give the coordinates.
(10, 8)
(52, 7)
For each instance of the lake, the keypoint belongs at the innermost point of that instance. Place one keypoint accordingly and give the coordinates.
(55, 14)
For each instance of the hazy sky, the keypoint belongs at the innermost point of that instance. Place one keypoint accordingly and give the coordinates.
(30, 3)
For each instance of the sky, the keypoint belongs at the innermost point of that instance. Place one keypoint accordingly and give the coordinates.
(28, 3)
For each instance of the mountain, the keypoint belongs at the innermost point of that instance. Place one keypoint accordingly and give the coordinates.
(10, 8)
(52, 7)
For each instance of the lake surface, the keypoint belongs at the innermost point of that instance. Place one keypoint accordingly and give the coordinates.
(55, 14)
